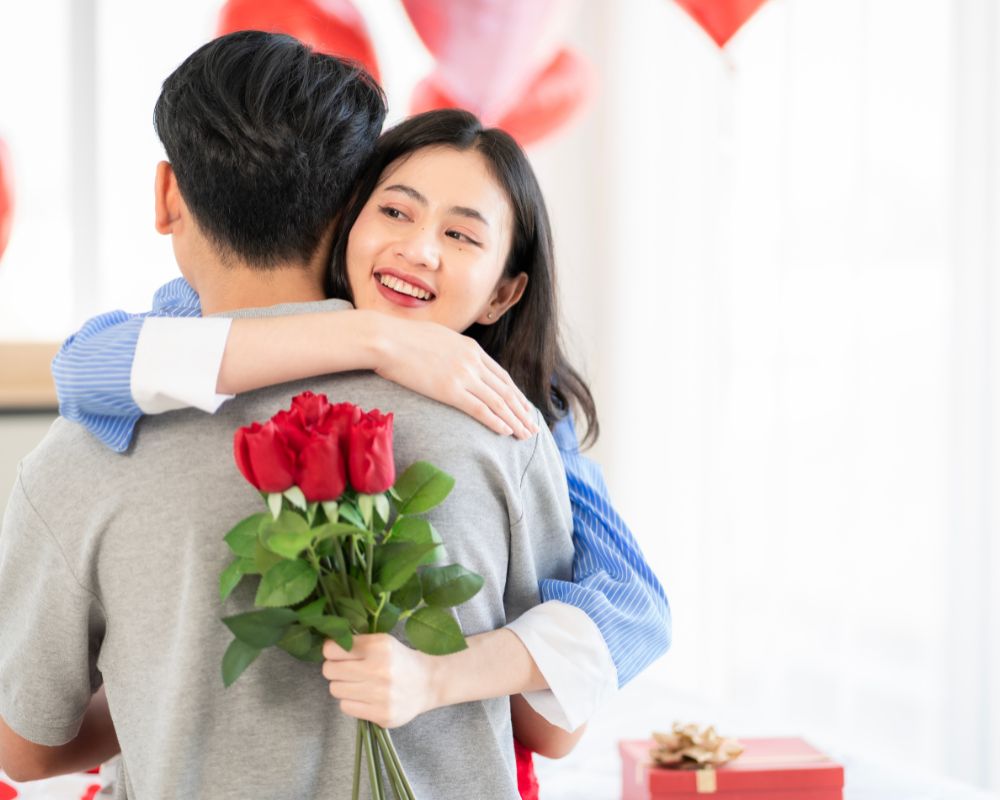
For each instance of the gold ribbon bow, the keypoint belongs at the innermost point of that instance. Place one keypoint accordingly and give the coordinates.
(692, 747)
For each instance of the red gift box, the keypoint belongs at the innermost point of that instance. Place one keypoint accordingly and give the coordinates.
(768, 769)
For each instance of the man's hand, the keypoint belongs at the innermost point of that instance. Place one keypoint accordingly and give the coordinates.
(380, 680)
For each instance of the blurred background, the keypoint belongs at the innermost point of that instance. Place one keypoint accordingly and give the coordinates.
(777, 264)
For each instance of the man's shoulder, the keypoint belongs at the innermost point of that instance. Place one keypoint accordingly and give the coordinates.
(67, 454)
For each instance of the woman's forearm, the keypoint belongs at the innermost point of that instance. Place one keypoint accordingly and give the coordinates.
(272, 350)
(495, 664)
(538, 734)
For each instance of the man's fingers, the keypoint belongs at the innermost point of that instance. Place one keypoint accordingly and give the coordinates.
(334, 652)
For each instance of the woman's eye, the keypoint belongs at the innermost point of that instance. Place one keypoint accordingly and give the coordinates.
(392, 213)
(461, 237)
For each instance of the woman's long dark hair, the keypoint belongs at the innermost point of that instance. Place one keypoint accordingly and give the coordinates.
(525, 340)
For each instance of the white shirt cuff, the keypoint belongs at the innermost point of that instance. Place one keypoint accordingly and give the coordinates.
(177, 362)
(574, 659)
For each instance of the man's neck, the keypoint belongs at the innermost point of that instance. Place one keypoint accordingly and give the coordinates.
(238, 287)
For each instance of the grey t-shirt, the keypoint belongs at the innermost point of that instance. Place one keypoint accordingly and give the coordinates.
(109, 570)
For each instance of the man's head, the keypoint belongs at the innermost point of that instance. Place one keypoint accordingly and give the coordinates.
(265, 138)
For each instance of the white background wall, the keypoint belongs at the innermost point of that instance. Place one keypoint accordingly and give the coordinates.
(778, 269)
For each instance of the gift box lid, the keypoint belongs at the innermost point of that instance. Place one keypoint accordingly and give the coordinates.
(765, 764)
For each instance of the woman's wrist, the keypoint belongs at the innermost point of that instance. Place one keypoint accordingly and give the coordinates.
(375, 339)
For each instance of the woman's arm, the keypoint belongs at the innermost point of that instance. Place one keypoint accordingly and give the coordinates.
(120, 366)
(425, 357)
(382, 680)
(612, 583)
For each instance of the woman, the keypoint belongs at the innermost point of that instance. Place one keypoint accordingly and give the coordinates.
(448, 232)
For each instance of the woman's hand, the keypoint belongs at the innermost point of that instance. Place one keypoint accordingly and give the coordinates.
(380, 679)
(453, 369)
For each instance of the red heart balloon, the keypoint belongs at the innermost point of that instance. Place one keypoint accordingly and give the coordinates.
(330, 26)
(6, 196)
(551, 99)
(7, 792)
(721, 18)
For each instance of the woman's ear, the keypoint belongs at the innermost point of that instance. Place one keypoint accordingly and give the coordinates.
(507, 294)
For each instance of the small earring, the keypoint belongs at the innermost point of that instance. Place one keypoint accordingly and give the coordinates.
(489, 315)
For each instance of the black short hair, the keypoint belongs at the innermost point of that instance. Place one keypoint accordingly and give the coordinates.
(266, 137)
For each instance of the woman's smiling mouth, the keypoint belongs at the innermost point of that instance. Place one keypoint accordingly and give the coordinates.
(401, 291)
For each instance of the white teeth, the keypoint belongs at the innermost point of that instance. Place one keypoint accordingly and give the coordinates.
(403, 287)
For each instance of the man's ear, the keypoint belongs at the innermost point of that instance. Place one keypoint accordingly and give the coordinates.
(169, 203)
(508, 292)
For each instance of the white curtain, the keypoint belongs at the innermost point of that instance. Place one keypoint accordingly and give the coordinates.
(778, 263)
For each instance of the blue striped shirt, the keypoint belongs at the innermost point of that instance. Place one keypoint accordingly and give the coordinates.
(612, 583)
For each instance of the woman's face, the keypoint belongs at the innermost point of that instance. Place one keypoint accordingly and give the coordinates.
(432, 241)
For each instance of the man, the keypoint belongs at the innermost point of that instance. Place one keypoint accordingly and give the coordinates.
(109, 564)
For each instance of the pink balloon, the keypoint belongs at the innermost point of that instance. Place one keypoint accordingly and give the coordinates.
(6, 196)
(331, 26)
(554, 96)
(487, 51)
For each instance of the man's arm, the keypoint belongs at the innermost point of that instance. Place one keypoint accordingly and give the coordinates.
(96, 742)
(55, 719)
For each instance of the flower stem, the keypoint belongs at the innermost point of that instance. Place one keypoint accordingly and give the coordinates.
(372, 768)
(377, 757)
(390, 749)
(356, 790)
(319, 570)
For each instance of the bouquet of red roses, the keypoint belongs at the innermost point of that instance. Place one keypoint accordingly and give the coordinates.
(340, 550)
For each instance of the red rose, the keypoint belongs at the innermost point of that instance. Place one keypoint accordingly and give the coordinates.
(264, 457)
(369, 457)
(321, 473)
(313, 408)
(339, 420)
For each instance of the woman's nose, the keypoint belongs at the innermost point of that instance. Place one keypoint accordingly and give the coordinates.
(420, 248)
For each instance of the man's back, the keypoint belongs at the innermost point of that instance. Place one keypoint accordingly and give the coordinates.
(117, 558)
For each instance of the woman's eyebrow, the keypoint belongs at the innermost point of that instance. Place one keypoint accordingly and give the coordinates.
(412, 193)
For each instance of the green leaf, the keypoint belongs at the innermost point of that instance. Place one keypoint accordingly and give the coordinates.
(230, 578)
(394, 494)
(330, 509)
(361, 592)
(261, 628)
(382, 507)
(422, 487)
(274, 503)
(444, 587)
(264, 559)
(296, 498)
(409, 594)
(285, 584)
(419, 531)
(388, 618)
(366, 504)
(434, 631)
(248, 566)
(338, 530)
(242, 538)
(314, 609)
(287, 536)
(238, 657)
(399, 560)
(350, 513)
(301, 643)
(354, 612)
(336, 628)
